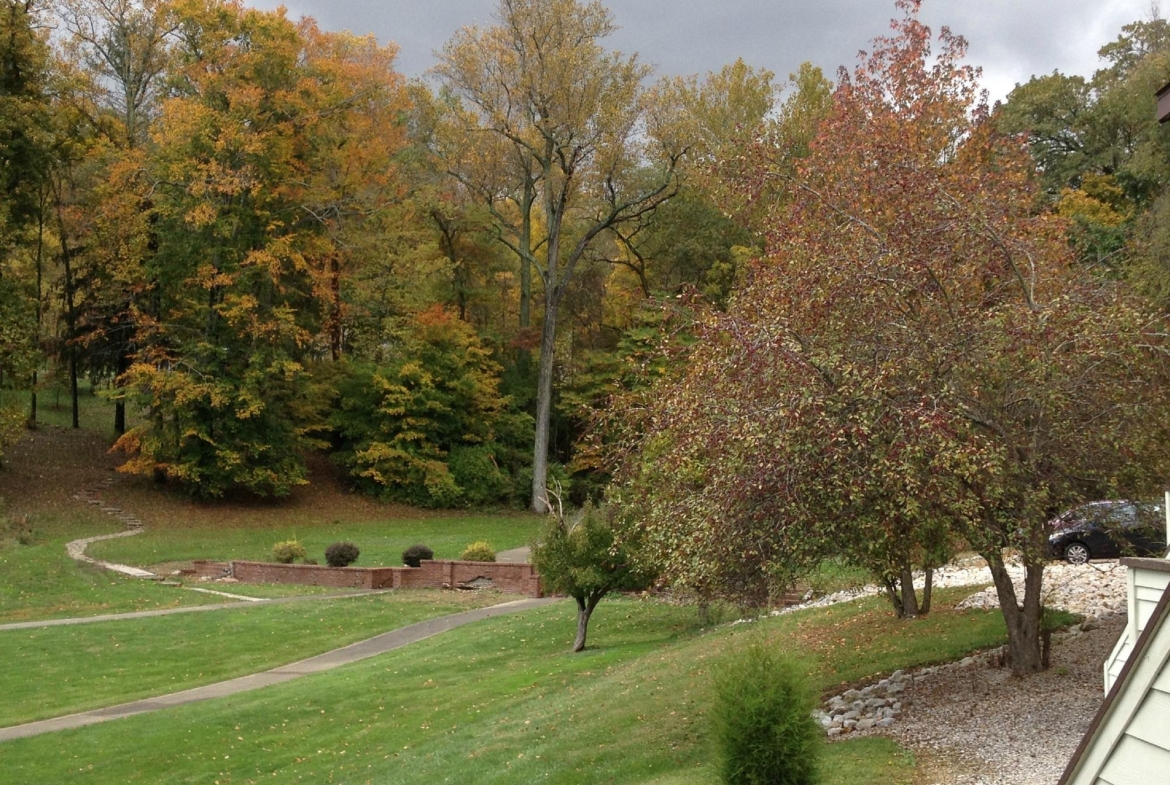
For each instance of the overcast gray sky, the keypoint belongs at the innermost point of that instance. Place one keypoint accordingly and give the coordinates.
(1011, 39)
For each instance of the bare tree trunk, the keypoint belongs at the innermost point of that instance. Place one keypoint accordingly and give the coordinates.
(927, 587)
(585, 606)
(894, 597)
(704, 612)
(335, 308)
(1023, 621)
(120, 404)
(70, 314)
(32, 413)
(525, 257)
(909, 598)
(548, 336)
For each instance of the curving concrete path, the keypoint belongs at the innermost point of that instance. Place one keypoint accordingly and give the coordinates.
(346, 655)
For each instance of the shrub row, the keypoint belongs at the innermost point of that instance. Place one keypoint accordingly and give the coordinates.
(343, 554)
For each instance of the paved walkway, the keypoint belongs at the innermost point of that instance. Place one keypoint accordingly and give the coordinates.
(522, 555)
(322, 662)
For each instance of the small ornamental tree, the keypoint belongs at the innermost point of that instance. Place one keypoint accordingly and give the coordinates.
(582, 559)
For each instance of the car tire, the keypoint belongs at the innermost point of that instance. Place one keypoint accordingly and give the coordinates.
(1076, 553)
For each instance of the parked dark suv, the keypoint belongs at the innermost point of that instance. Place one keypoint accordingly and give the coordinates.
(1101, 530)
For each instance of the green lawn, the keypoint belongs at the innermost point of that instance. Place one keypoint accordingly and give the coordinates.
(502, 701)
(54, 671)
(39, 581)
(381, 541)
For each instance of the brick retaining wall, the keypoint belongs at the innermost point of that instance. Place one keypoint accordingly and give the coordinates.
(511, 577)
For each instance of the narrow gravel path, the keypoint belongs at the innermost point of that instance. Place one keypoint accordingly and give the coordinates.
(322, 662)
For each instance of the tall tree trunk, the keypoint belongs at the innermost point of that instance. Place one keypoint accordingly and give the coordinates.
(1024, 620)
(32, 408)
(585, 606)
(70, 314)
(526, 253)
(119, 404)
(335, 322)
(548, 336)
(73, 386)
(927, 589)
(909, 598)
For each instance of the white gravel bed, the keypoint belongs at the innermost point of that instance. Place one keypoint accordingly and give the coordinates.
(970, 723)
(979, 725)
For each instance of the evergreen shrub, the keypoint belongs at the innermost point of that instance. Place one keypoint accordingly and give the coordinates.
(341, 554)
(761, 720)
(413, 556)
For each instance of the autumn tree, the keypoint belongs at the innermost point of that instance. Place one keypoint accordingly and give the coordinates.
(25, 145)
(249, 194)
(914, 359)
(116, 54)
(1103, 157)
(427, 424)
(353, 142)
(692, 240)
(550, 127)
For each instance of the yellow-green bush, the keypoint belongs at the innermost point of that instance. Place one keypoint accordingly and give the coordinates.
(480, 550)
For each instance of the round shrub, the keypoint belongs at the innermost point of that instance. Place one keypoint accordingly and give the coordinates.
(761, 720)
(413, 556)
(287, 552)
(341, 554)
(480, 550)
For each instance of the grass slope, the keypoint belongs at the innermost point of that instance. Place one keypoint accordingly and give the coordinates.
(501, 702)
(381, 541)
(54, 671)
(38, 515)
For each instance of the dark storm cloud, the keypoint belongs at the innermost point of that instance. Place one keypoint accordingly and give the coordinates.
(1011, 40)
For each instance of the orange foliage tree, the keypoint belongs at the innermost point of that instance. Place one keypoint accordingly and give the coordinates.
(252, 201)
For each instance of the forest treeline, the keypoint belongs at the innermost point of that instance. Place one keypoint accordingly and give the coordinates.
(261, 240)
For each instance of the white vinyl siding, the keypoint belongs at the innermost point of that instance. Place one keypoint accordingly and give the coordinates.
(1136, 762)
(1145, 589)
(1131, 744)
(1148, 588)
